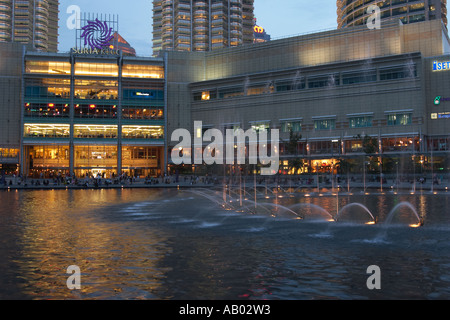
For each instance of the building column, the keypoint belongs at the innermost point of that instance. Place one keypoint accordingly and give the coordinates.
(72, 116)
(22, 153)
(166, 131)
(119, 117)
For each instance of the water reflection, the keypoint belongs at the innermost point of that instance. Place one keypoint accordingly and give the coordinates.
(57, 229)
(171, 244)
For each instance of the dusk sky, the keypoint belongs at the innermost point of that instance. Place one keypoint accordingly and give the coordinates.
(280, 19)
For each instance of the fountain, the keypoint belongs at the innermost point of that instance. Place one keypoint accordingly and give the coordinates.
(355, 212)
(297, 80)
(410, 217)
(272, 201)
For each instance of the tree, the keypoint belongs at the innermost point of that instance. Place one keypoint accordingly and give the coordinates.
(345, 166)
(292, 149)
(370, 145)
(370, 148)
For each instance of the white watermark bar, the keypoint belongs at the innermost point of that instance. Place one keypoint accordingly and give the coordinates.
(237, 147)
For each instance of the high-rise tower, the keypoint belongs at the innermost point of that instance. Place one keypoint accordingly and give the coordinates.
(32, 22)
(354, 12)
(201, 25)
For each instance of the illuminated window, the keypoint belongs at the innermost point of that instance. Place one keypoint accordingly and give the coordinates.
(418, 7)
(142, 113)
(132, 93)
(48, 67)
(47, 88)
(46, 110)
(96, 90)
(294, 126)
(96, 69)
(49, 156)
(95, 131)
(324, 124)
(9, 153)
(143, 157)
(260, 126)
(360, 122)
(93, 156)
(143, 132)
(231, 92)
(399, 119)
(95, 111)
(46, 131)
(206, 96)
(142, 71)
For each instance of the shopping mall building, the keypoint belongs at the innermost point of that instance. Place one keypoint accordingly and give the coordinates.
(89, 113)
(85, 114)
(332, 89)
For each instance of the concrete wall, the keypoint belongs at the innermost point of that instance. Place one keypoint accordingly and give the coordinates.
(11, 57)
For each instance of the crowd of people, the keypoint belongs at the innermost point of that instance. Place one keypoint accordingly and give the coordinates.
(99, 180)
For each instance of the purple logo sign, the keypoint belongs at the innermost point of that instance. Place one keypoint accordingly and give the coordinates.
(97, 34)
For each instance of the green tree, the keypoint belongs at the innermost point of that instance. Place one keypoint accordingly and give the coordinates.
(292, 149)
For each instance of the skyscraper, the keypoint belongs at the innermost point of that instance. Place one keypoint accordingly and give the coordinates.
(201, 25)
(32, 22)
(354, 13)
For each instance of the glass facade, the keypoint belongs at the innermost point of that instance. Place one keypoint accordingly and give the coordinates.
(79, 118)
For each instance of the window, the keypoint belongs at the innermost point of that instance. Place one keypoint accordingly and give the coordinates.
(143, 94)
(96, 69)
(142, 113)
(257, 90)
(145, 157)
(294, 126)
(46, 110)
(46, 131)
(49, 156)
(287, 85)
(417, 7)
(47, 88)
(231, 93)
(142, 71)
(95, 111)
(401, 72)
(359, 77)
(143, 132)
(325, 81)
(260, 126)
(417, 18)
(360, 122)
(324, 124)
(95, 156)
(95, 131)
(9, 153)
(399, 119)
(96, 90)
(48, 67)
(205, 95)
